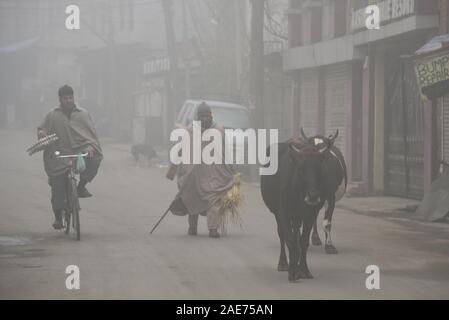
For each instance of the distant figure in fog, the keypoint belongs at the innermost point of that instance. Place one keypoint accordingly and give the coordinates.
(145, 150)
(75, 130)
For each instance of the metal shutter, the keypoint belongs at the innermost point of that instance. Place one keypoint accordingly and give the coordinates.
(404, 130)
(337, 90)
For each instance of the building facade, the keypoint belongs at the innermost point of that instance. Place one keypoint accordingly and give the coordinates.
(362, 83)
(443, 103)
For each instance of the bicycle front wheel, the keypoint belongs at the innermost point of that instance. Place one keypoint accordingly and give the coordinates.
(67, 215)
(75, 208)
(68, 208)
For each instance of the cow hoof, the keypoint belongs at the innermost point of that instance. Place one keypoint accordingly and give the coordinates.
(330, 249)
(316, 241)
(305, 274)
(293, 278)
(282, 268)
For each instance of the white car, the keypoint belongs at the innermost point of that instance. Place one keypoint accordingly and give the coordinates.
(227, 115)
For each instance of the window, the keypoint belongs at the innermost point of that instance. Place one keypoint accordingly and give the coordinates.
(121, 13)
(295, 24)
(231, 118)
(316, 16)
(328, 20)
(182, 113)
(295, 30)
(190, 115)
(130, 15)
(340, 16)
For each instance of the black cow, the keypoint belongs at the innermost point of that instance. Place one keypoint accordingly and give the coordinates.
(334, 181)
(293, 196)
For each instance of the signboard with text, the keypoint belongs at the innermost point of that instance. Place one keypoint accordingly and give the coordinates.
(156, 66)
(390, 10)
(432, 70)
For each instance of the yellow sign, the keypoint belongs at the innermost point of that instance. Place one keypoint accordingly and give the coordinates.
(430, 71)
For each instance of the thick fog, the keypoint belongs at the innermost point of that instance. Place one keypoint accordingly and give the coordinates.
(224, 150)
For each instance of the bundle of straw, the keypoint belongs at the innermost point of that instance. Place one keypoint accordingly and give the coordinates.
(230, 203)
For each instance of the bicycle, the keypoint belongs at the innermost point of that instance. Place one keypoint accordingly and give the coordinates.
(71, 214)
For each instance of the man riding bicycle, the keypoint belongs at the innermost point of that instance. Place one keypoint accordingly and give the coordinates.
(76, 134)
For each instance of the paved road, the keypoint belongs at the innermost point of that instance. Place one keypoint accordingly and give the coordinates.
(118, 259)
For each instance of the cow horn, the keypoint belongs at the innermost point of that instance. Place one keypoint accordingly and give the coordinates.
(324, 148)
(303, 134)
(333, 137)
(295, 148)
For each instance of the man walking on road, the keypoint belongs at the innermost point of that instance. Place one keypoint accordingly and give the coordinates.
(202, 186)
(76, 134)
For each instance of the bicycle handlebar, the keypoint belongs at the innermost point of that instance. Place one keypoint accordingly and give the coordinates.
(57, 154)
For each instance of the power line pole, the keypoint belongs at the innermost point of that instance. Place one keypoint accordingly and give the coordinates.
(172, 88)
(256, 89)
(186, 47)
(239, 29)
(112, 82)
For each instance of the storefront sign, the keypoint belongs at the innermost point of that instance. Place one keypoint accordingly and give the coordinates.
(155, 66)
(430, 71)
(389, 10)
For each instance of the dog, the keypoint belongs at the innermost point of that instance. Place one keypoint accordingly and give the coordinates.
(148, 151)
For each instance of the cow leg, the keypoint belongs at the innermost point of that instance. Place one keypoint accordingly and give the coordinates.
(282, 264)
(294, 251)
(290, 235)
(316, 241)
(304, 244)
(327, 226)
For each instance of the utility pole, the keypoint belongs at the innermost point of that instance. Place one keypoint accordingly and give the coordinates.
(186, 51)
(228, 46)
(238, 45)
(256, 89)
(172, 88)
(112, 82)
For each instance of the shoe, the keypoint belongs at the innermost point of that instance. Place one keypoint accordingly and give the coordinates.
(193, 224)
(83, 193)
(57, 224)
(213, 233)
